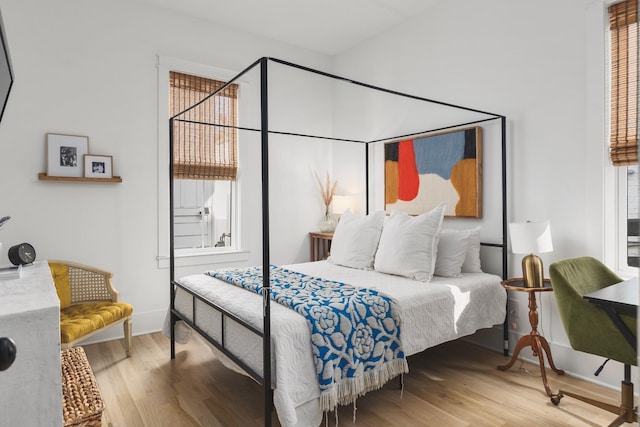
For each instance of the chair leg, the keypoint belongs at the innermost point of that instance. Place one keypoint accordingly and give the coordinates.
(127, 336)
(626, 412)
(602, 405)
(622, 418)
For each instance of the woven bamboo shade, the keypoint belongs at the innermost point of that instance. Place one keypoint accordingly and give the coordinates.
(205, 137)
(623, 19)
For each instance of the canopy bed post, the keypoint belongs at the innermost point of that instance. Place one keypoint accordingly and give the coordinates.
(266, 282)
(366, 176)
(172, 291)
(505, 265)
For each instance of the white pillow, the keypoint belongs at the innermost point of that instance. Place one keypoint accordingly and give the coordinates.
(471, 262)
(355, 240)
(409, 245)
(452, 250)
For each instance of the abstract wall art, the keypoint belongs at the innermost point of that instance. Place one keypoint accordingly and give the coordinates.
(426, 170)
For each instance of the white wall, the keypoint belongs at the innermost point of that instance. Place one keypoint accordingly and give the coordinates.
(90, 68)
(527, 61)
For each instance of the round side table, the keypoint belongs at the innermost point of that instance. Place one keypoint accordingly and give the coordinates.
(538, 343)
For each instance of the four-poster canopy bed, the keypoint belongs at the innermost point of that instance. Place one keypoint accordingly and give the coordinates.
(237, 323)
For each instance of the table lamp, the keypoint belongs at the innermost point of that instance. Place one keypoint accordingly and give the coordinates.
(341, 204)
(531, 238)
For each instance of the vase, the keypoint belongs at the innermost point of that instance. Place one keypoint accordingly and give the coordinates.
(328, 222)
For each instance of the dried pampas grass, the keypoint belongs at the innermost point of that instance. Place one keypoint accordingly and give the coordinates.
(327, 190)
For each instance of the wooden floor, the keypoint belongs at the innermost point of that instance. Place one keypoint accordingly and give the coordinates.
(455, 384)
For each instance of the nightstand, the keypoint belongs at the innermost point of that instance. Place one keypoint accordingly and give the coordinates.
(320, 245)
(537, 342)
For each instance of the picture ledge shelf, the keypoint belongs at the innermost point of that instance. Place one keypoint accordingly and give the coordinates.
(45, 177)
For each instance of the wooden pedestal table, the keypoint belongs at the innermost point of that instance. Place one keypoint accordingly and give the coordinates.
(538, 343)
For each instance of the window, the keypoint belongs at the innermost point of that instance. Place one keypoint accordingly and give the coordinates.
(202, 213)
(205, 161)
(633, 215)
(623, 141)
(213, 225)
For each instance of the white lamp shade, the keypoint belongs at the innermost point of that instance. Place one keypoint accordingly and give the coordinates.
(340, 204)
(530, 237)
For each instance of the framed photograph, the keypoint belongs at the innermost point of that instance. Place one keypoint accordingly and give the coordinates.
(423, 171)
(98, 166)
(65, 154)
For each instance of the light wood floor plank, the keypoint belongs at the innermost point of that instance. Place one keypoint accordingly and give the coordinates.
(455, 384)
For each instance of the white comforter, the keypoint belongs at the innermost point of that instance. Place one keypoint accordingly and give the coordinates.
(431, 313)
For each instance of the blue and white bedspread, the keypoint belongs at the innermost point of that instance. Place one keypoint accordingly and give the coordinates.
(355, 332)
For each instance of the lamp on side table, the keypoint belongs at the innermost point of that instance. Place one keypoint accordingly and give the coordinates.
(531, 238)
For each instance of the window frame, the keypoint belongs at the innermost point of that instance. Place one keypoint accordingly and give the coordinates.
(621, 223)
(614, 179)
(193, 256)
(621, 178)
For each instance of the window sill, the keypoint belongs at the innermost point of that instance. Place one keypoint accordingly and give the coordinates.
(186, 258)
(627, 273)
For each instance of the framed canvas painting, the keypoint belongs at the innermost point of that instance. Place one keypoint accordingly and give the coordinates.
(426, 170)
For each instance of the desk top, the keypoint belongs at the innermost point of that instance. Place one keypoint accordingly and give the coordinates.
(622, 296)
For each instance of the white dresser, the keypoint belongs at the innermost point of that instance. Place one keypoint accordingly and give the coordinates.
(31, 389)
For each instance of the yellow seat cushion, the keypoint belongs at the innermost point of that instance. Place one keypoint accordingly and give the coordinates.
(60, 274)
(79, 320)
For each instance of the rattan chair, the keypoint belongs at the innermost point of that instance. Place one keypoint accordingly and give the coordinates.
(88, 303)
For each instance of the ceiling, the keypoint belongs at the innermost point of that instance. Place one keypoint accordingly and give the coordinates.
(325, 26)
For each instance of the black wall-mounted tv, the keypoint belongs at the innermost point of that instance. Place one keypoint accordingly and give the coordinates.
(6, 71)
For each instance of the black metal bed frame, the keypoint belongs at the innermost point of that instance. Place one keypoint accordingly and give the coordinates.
(265, 334)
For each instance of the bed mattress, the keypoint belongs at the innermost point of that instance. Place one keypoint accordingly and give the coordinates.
(430, 314)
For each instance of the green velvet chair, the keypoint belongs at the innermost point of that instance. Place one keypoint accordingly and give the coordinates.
(590, 329)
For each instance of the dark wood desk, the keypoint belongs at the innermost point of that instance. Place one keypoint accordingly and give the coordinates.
(614, 300)
(619, 298)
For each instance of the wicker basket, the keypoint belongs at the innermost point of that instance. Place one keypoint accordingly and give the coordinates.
(82, 404)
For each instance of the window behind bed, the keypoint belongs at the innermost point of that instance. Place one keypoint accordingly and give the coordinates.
(623, 60)
(205, 162)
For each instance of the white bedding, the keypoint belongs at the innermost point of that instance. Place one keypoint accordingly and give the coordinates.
(430, 313)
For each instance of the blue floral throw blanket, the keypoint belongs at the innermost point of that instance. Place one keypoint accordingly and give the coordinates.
(355, 332)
